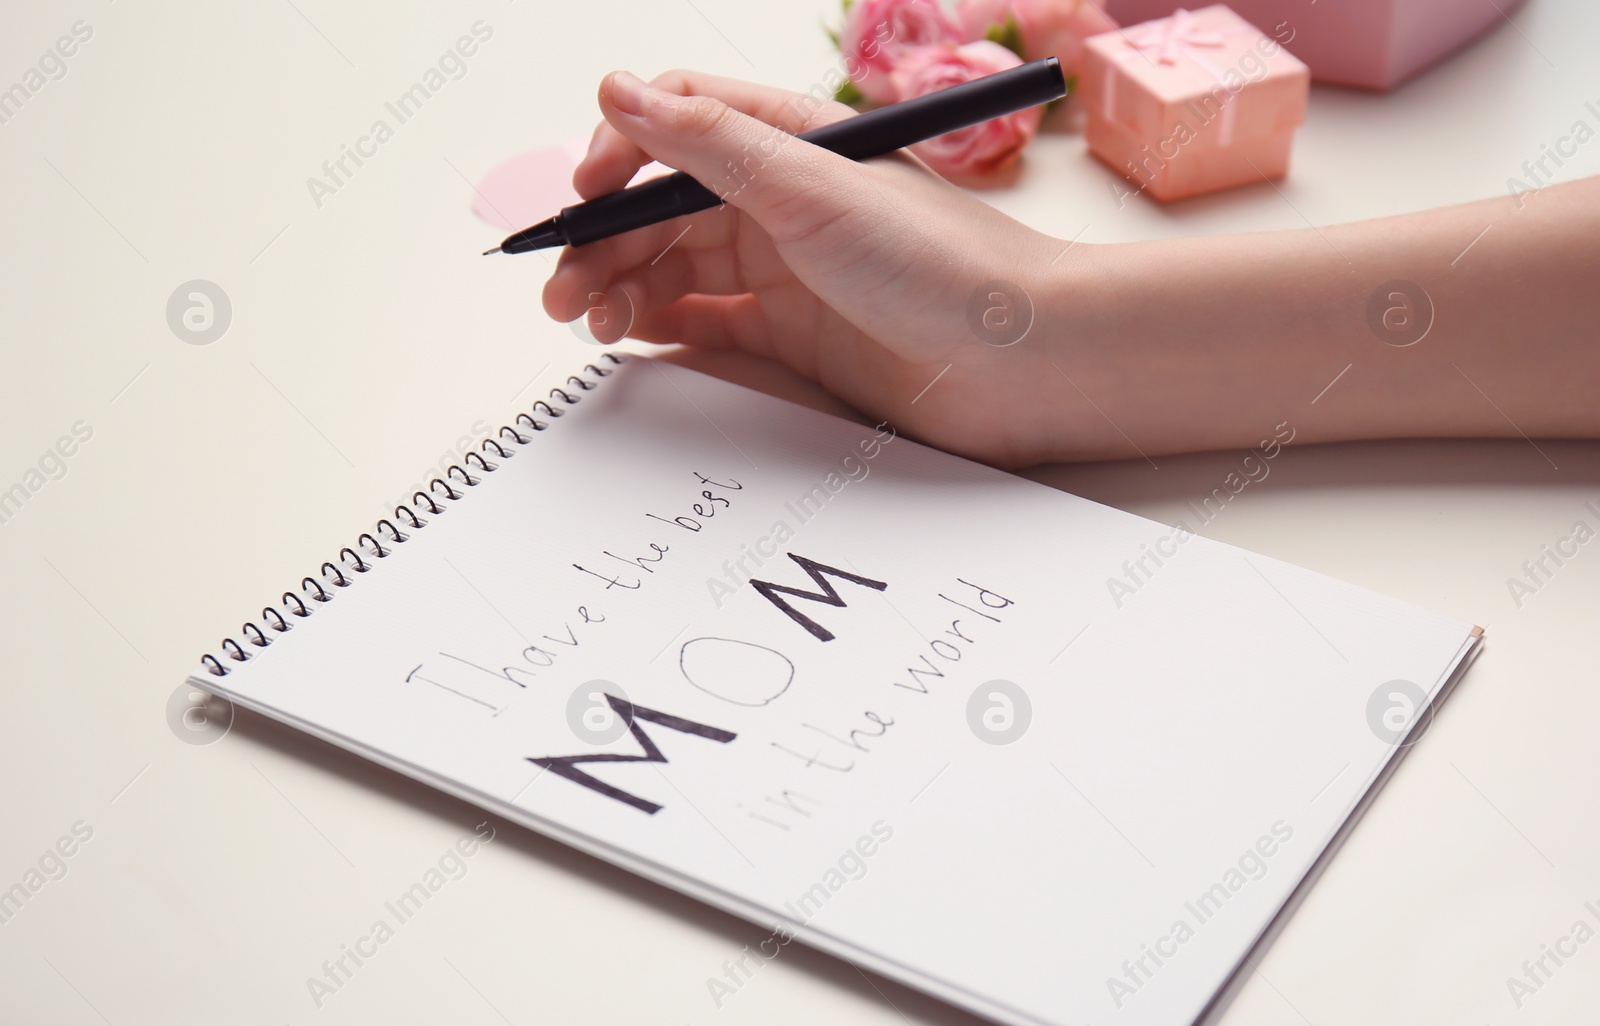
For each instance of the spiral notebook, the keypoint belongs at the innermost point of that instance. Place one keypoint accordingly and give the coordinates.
(1046, 760)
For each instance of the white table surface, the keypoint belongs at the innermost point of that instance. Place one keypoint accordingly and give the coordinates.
(368, 335)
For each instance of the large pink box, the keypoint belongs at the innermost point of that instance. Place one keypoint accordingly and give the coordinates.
(1370, 44)
(1196, 102)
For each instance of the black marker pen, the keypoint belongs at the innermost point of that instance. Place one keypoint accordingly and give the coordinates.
(873, 134)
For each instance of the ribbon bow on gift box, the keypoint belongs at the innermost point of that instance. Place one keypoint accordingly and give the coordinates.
(1168, 35)
(1166, 40)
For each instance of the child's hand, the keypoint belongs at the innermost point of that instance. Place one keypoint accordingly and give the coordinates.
(857, 275)
(905, 296)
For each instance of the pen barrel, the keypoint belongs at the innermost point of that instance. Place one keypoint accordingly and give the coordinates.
(871, 134)
(903, 124)
(636, 207)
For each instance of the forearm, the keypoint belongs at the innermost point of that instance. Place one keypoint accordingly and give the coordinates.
(1216, 340)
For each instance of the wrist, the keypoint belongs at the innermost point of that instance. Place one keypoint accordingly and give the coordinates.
(1174, 345)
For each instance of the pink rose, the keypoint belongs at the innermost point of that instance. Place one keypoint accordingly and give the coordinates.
(983, 147)
(1049, 28)
(878, 32)
(976, 16)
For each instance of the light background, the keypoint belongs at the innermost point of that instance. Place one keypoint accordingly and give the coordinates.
(368, 335)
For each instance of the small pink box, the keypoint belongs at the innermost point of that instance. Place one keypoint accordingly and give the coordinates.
(1370, 44)
(1193, 103)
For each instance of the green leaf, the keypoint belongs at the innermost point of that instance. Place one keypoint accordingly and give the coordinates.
(848, 93)
(833, 33)
(1008, 35)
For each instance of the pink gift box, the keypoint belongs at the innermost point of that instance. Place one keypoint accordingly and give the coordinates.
(1193, 103)
(1371, 44)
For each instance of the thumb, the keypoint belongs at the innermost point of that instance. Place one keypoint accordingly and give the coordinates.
(790, 187)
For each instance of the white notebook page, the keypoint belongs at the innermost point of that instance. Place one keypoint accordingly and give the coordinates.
(1190, 746)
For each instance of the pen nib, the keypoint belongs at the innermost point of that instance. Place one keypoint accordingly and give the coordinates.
(494, 250)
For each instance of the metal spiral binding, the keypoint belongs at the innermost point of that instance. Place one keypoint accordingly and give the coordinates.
(360, 558)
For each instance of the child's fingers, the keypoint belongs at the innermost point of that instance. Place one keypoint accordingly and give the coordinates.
(795, 191)
(662, 282)
(609, 165)
(598, 262)
(630, 293)
(782, 108)
(612, 159)
(602, 261)
(708, 322)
